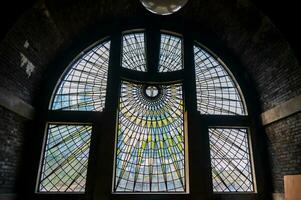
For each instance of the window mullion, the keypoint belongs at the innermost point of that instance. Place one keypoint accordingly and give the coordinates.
(189, 81)
(225, 120)
(152, 49)
(73, 116)
(199, 157)
(114, 73)
(106, 126)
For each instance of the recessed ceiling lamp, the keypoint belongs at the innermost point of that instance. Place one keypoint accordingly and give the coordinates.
(163, 7)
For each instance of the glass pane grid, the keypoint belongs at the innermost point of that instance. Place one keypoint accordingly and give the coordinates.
(150, 141)
(150, 138)
(84, 86)
(216, 92)
(170, 53)
(230, 160)
(65, 163)
(134, 56)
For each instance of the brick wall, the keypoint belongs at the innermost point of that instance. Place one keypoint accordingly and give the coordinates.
(43, 39)
(284, 144)
(11, 143)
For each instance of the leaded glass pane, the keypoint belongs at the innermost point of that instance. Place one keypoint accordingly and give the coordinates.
(230, 160)
(150, 140)
(216, 90)
(65, 161)
(133, 55)
(171, 56)
(83, 88)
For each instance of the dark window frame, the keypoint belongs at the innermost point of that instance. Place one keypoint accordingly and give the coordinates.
(197, 123)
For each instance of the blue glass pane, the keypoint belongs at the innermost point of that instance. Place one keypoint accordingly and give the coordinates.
(171, 56)
(83, 88)
(230, 160)
(65, 161)
(217, 93)
(133, 55)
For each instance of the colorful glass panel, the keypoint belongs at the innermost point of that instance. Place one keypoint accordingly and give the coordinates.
(150, 139)
(65, 161)
(83, 88)
(133, 55)
(171, 56)
(217, 93)
(230, 160)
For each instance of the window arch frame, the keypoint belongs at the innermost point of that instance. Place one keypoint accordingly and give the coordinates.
(193, 117)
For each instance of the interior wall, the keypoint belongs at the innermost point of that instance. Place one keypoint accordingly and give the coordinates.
(12, 129)
(47, 30)
(284, 145)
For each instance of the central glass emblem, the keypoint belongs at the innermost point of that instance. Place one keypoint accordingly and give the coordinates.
(151, 91)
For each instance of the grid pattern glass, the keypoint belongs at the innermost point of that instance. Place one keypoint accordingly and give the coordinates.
(65, 161)
(134, 56)
(83, 88)
(171, 56)
(217, 93)
(230, 160)
(150, 140)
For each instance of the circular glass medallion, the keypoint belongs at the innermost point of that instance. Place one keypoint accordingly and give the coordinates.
(151, 91)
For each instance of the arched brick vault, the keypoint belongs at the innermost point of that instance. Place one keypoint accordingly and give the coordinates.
(51, 32)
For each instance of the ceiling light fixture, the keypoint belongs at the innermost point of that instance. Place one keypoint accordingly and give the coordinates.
(163, 7)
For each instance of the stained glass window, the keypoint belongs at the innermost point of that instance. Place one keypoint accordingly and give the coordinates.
(133, 54)
(150, 139)
(171, 56)
(150, 136)
(230, 160)
(83, 88)
(65, 161)
(216, 90)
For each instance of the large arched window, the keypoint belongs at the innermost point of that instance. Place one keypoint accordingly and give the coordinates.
(175, 106)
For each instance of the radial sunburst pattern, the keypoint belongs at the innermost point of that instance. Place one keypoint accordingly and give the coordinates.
(150, 143)
(83, 87)
(216, 90)
(171, 56)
